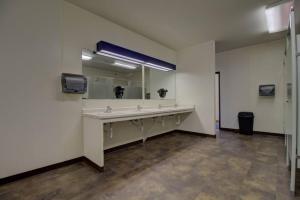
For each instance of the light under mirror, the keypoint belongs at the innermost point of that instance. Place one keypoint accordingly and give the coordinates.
(109, 78)
(159, 84)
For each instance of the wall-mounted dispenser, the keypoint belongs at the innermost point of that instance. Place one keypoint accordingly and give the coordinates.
(267, 90)
(73, 83)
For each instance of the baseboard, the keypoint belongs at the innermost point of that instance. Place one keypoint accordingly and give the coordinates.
(92, 164)
(41, 170)
(229, 129)
(196, 133)
(160, 135)
(269, 133)
(255, 132)
(123, 146)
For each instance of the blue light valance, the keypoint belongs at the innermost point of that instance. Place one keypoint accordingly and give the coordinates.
(106, 48)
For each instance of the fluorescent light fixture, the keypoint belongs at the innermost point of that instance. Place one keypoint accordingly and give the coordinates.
(278, 16)
(124, 65)
(151, 65)
(122, 56)
(130, 56)
(130, 60)
(117, 57)
(86, 57)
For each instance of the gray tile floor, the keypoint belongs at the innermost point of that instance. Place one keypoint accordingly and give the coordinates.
(171, 167)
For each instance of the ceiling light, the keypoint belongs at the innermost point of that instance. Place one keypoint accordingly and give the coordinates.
(124, 65)
(278, 16)
(151, 65)
(130, 56)
(117, 57)
(122, 56)
(86, 57)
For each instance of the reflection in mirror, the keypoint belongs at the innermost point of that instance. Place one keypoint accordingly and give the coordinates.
(159, 84)
(109, 78)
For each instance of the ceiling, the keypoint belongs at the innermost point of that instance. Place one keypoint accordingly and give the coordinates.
(181, 23)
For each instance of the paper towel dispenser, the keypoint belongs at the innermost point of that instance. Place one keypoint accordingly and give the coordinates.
(73, 83)
(267, 90)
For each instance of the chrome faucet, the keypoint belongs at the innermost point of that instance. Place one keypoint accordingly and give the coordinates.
(139, 108)
(159, 106)
(108, 109)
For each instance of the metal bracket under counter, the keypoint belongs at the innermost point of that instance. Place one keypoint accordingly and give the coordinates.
(93, 126)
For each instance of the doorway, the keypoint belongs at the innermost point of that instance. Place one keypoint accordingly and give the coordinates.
(217, 100)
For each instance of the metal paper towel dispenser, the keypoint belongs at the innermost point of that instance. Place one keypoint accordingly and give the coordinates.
(73, 83)
(267, 90)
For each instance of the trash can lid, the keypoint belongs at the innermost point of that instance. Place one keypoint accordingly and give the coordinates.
(245, 114)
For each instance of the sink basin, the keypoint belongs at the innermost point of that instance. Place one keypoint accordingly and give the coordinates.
(138, 113)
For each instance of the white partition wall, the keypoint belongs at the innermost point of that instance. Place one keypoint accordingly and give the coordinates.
(290, 104)
(298, 93)
(195, 85)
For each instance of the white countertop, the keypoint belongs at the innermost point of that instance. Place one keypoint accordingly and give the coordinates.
(121, 114)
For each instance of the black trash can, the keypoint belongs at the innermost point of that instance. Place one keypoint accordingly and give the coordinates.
(246, 120)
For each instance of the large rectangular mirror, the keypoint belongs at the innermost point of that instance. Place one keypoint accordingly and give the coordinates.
(160, 84)
(109, 78)
(113, 78)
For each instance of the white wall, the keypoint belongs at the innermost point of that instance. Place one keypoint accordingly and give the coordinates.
(242, 71)
(40, 39)
(195, 82)
(83, 29)
(32, 116)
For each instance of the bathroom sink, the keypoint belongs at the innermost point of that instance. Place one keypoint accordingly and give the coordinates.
(123, 113)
